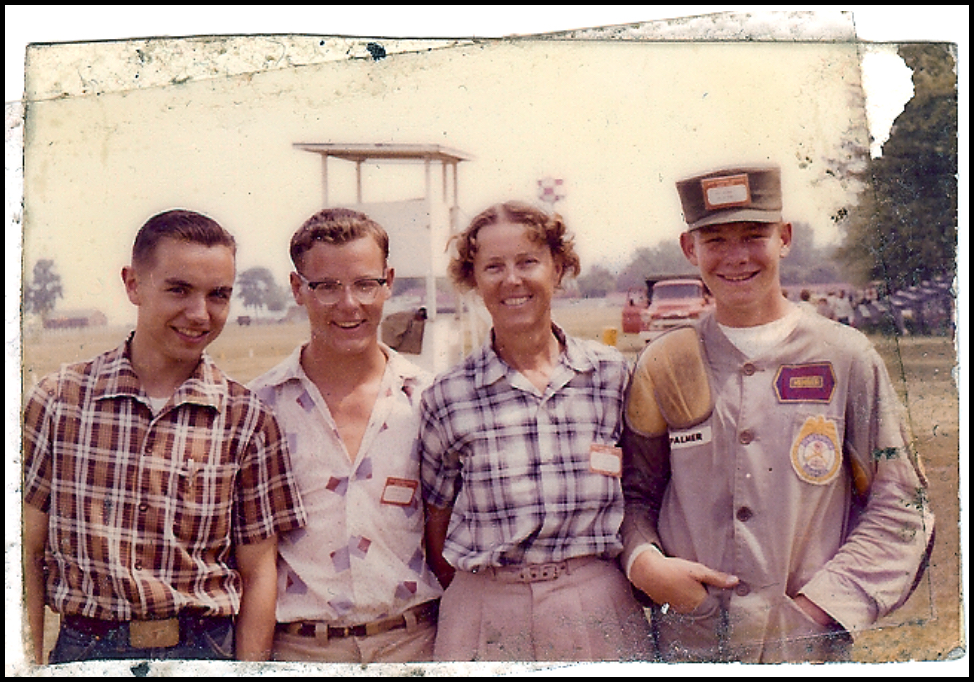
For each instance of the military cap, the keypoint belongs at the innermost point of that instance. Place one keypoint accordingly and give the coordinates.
(732, 195)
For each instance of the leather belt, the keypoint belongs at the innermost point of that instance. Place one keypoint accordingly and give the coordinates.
(424, 613)
(142, 634)
(533, 573)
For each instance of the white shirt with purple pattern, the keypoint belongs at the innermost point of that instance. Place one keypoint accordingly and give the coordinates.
(360, 556)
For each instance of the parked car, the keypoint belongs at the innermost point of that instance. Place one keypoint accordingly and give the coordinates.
(667, 302)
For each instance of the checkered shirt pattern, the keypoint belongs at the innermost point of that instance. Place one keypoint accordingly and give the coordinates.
(144, 509)
(514, 462)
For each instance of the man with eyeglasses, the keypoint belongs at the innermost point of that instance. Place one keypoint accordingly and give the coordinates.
(353, 585)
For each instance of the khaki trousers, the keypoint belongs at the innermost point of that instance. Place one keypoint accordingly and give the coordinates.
(414, 644)
(585, 614)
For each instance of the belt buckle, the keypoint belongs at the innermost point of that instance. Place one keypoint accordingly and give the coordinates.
(323, 631)
(540, 572)
(154, 634)
(334, 631)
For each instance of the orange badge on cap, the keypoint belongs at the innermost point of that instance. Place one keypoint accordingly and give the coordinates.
(730, 191)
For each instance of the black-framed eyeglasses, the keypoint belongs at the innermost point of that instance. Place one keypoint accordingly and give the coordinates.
(330, 291)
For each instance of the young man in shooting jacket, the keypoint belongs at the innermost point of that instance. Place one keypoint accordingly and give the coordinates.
(774, 506)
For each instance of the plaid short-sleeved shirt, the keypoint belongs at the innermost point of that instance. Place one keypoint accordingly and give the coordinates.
(516, 463)
(144, 509)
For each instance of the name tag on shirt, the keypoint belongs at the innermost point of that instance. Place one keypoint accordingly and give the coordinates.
(399, 491)
(700, 435)
(812, 382)
(605, 460)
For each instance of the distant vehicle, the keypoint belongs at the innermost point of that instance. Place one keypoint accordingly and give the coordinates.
(667, 302)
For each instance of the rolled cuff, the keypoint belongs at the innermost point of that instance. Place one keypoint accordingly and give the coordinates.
(847, 604)
(631, 556)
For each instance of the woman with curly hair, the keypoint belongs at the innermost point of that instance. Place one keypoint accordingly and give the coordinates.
(520, 469)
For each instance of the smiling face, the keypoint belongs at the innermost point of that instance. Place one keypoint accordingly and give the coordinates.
(348, 326)
(516, 277)
(739, 262)
(183, 297)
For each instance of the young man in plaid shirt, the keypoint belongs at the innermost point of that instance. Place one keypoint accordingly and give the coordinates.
(154, 486)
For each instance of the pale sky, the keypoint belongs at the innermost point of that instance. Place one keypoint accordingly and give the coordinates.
(617, 128)
(620, 122)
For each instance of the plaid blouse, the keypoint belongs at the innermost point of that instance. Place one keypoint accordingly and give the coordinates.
(144, 509)
(516, 463)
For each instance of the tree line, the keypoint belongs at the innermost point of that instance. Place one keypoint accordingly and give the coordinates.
(256, 288)
(807, 263)
(903, 231)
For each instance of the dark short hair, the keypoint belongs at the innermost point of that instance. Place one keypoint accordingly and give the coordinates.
(336, 226)
(180, 225)
(544, 228)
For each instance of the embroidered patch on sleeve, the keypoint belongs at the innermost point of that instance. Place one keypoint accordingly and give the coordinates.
(810, 383)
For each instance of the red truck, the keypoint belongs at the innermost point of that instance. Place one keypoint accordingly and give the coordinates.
(666, 302)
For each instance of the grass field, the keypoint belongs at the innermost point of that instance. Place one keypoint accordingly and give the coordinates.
(930, 625)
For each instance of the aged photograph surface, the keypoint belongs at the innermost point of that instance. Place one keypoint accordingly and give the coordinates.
(598, 125)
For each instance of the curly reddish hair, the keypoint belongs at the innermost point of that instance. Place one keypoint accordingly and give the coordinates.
(543, 228)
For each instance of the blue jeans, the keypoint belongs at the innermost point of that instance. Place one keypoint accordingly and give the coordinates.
(199, 638)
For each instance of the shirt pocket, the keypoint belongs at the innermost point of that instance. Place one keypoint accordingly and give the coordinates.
(204, 494)
(500, 474)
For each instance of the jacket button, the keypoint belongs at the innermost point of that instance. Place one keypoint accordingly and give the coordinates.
(742, 589)
(745, 437)
(744, 514)
(748, 369)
